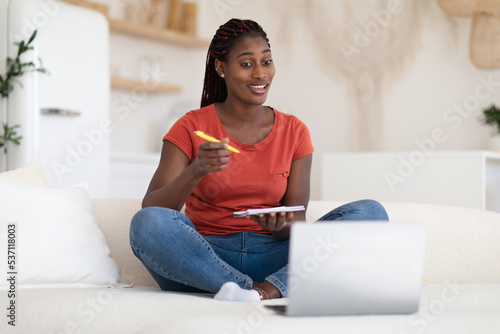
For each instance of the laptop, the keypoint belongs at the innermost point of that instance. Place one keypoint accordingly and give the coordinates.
(354, 268)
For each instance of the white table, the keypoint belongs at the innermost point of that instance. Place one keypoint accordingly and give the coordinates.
(461, 178)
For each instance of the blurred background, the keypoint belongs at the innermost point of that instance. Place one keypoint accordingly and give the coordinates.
(365, 76)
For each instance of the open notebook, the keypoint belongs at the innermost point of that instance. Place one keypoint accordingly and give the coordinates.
(253, 212)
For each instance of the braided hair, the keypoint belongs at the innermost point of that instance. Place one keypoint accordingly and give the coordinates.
(214, 87)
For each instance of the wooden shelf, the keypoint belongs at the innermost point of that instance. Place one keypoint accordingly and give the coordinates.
(89, 5)
(161, 35)
(150, 87)
(137, 30)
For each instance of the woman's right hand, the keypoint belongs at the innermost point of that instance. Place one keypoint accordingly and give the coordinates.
(175, 178)
(212, 157)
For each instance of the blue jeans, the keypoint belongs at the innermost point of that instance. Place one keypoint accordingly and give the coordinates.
(181, 259)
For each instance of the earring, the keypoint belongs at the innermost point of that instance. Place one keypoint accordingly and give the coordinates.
(219, 73)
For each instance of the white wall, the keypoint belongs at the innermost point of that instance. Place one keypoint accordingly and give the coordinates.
(3, 68)
(439, 75)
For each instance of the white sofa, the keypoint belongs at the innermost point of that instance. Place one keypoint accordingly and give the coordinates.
(462, 295)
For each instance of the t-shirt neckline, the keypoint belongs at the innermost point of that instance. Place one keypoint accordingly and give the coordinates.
(240, 144)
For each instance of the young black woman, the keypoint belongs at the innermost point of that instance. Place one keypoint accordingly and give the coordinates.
(207, 248)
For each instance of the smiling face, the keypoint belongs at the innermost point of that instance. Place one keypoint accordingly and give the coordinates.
(248, 70)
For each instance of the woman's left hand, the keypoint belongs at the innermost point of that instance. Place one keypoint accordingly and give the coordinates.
(274, 221)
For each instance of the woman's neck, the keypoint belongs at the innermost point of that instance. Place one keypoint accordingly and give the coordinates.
(238, 114)
(247, 124)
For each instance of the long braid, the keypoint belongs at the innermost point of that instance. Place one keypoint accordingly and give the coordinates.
(214, 87)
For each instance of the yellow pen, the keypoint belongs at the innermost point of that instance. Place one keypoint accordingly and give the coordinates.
(212, 139)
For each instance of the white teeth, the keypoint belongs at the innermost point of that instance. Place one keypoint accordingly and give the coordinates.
(258, 87)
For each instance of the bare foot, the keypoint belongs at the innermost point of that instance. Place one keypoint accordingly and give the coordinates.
(266, 290)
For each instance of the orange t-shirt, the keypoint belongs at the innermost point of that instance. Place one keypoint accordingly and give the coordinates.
(255, 178)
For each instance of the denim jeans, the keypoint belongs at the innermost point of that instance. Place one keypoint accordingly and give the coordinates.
(181, 259)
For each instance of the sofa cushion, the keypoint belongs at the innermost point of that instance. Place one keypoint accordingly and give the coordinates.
(31, 174)
(53, 237)
(444, 308)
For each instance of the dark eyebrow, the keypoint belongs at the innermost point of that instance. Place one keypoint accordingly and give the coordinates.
(251, 53)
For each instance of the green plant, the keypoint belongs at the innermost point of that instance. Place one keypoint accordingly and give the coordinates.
(491, 116)
(9, 134)
(15, 69)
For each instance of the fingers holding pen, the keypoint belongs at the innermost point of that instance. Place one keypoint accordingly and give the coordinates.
(212, 139)
(213, 157)
(217, 150)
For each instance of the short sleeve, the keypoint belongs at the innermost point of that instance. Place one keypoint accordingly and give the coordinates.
(303, 145)
(181, 135)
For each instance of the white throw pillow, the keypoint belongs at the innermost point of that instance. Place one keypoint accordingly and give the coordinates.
(31, 174)
(57, 239)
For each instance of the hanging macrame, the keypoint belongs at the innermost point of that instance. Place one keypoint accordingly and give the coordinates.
(367, 44)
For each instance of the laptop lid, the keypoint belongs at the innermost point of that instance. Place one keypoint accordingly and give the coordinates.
(348, 268)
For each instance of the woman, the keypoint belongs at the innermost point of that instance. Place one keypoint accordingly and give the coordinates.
(207, 248)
